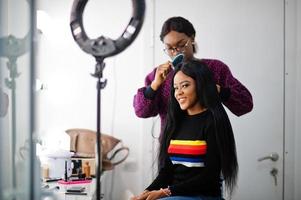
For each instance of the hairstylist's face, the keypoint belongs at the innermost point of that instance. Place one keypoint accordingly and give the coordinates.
(176, 43)
(185, 93)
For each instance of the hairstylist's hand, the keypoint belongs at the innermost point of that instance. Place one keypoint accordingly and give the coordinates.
(161, 74)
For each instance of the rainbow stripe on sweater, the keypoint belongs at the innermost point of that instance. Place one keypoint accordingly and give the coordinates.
(188, 152)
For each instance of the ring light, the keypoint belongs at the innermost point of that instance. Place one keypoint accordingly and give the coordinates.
(105, 46)
(12, 47)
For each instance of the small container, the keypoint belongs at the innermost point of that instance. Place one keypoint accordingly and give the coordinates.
(87, 169)
(45, 171)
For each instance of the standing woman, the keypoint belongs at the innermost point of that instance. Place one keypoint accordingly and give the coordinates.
(198, 145)
(178, 36)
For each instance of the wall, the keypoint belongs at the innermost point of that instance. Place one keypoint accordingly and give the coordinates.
(293, 96)
(290, 98)
(297, 157)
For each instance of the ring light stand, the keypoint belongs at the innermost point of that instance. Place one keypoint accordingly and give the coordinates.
(12, 48)
(101, 48)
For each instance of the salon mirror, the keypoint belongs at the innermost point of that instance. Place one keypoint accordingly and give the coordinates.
(16, 118)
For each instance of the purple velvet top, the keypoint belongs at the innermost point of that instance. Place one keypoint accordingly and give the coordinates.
(239, 102)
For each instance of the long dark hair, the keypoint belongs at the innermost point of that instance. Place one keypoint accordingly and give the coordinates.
(208, 97)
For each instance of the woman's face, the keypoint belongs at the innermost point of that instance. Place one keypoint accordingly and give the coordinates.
(185, 93)
(176, 43)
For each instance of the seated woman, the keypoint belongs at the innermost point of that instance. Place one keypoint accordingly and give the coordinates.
(198, 145)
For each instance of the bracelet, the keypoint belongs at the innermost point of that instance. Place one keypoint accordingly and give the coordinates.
(166, 191)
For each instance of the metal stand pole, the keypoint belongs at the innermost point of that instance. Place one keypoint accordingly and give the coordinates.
(12, 48)
(11, 84)
(100, 65)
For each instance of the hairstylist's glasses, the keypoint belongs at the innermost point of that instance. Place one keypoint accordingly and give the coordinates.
(178, 49)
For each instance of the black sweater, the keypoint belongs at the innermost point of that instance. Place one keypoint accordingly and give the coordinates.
(193, 163)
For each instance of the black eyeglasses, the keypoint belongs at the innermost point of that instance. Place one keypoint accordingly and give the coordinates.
(179, 49)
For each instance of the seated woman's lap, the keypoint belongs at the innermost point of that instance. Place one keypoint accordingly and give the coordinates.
(191, 198)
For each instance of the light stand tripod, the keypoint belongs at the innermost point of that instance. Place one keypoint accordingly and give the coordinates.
(12, 48)
(101, 48)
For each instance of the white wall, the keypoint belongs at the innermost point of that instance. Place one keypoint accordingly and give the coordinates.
(297, 157)
(290, 98)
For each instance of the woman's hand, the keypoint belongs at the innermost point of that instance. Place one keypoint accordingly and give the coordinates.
(141, 196)
(155, 194)
(161, 74)
(150, 195)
